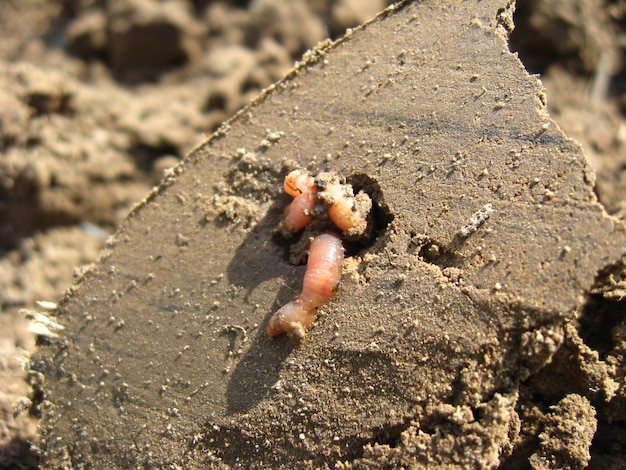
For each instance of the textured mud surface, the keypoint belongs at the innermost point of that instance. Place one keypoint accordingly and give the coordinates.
(482, 325)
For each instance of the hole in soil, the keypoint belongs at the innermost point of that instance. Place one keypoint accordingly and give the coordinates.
(217, 100)
(535, 44)
(602, 320)
(380, 217)
(145, 155)
(597, 322)
(437, 254)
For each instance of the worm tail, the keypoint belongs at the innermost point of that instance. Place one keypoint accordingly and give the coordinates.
(322, 275)
(287, 318)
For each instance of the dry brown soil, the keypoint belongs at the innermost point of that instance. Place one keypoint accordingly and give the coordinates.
(481, 326)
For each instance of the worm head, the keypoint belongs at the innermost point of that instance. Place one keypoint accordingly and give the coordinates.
(298, 182)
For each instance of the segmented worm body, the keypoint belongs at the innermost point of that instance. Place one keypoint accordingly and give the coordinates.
(328, 198)
(298, 213)
(301, 186)
(321, 278)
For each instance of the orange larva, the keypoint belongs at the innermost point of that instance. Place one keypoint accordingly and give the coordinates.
(340, 208)
(323, 272)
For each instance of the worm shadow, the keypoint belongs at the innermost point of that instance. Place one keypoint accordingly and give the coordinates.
(261, 257)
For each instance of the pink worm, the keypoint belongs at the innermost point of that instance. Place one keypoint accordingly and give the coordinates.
(298, 213)
(323, 271)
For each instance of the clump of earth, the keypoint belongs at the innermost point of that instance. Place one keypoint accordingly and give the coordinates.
(100, 99)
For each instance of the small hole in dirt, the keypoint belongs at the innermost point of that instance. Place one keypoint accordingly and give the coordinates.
(390, 435)
(252, 83)
(380, 217)
(597, 321)
(437, 254)
(145, 156)
(217, 100)
(602, 321)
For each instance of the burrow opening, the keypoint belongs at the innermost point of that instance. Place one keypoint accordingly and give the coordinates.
(602, 319)
(439, 255)
(380, 217)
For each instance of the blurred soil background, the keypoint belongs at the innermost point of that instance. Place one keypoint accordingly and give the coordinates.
(98, 98)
